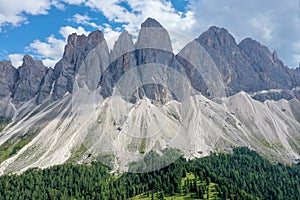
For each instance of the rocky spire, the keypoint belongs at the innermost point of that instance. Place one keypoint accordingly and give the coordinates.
(76, 50)
(217, 37)
(150, 22)
(153, 36)
(123, 45)
(31, 74)
(8, 78)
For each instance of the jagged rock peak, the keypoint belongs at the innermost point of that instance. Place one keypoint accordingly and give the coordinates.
(78, 45)
(275, 55)
(298, 68)
(153, 36)
(5, 63)
(8, 77)
(28, 59)
(30, 62)
(31, 74)
(215, 35)
(256, 50)
(249, 42)
(150, 22)
(94, 37)
(123, 45)
(218, 30)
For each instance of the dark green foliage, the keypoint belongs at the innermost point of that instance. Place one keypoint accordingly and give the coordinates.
(3, 123)
(242, 175)
(13, 145)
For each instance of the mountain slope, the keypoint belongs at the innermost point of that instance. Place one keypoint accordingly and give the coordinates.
(119, 106)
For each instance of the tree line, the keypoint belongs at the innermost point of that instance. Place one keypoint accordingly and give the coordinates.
(241, 175)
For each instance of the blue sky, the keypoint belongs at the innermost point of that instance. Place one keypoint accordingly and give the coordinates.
(40, 28)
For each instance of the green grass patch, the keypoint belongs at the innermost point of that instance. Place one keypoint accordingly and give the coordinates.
(77, 154)
(12, 146)
(15, 143)
(143, 146)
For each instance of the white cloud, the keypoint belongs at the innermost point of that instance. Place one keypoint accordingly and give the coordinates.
(52, 48)
(112, 10)
(110, 34)
(163, 11)
(74, 2)
(274, 24)
(58, 4)
(81, 19)
(65, 31)
(84, 20)
(264, 25)
(140, 10)
(49, 62)
(13, 12)
(16, 59)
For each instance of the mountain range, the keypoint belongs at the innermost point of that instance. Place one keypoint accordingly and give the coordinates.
(117, 106)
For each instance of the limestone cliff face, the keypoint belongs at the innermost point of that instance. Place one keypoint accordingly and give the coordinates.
(75, 53)
(248, 66)
(142, 69)
(122, 60)
(31, 74)
(8, 78)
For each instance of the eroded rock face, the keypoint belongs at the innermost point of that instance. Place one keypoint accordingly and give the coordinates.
(8, 78)
(270, 70)
(247, 66)
(153, 36)
(76, 51)
(46, 86)
(140, 70)
(223, 48)
(122, 59)
(31, 74)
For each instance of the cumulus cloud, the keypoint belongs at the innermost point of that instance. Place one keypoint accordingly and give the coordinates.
(84, 20)
(139, 10)
(51, 48)
(16, 59)
(74, 2)
(65, 31)
(49, 62)
(13, 12)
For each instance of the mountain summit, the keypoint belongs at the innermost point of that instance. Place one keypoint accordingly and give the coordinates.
(150, 22)
(140, 102)
(153, 35)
